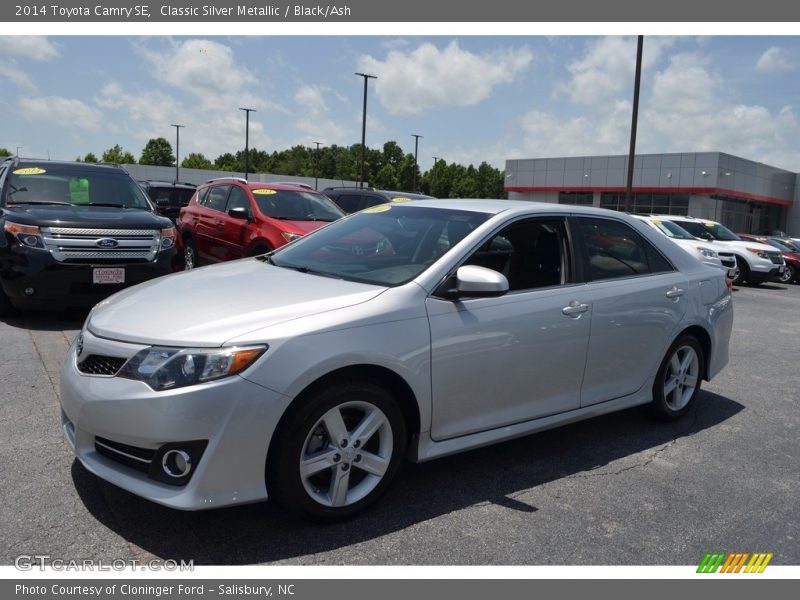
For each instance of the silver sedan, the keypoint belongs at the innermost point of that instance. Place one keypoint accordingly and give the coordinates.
(406, 330)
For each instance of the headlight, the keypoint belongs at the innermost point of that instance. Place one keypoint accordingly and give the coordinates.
(706, 252)
(26, 235)
(168, 368)
(167, 238)
(290, 237)
(759, 253)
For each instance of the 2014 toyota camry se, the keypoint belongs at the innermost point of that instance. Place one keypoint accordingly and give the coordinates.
(405, 330)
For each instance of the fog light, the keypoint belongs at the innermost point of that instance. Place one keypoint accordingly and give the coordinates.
(176, 463)
(29, 291)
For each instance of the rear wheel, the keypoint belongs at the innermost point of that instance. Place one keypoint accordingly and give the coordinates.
(788, 275)
(337, 452)
(678, 379)
(259, 250)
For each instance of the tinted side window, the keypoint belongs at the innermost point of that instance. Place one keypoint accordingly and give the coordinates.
(531, 254)
(238, 199)
(202, 196)
(615, 250)
(350, 203)
(217, 197)
(374, 201)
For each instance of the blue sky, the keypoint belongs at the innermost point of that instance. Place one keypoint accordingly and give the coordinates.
(471, 97)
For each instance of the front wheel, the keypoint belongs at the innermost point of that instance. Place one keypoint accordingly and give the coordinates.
(337, 452)
(788, 275)
(189, 255)
(740, 271)
(678, 379)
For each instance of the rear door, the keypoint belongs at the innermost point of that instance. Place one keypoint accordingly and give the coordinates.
(233, 235)
(638, 300)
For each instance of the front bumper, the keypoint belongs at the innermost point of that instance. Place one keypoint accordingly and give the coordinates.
(234, 417)
(52, 284)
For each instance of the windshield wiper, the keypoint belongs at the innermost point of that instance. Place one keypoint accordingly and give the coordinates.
(304, 269)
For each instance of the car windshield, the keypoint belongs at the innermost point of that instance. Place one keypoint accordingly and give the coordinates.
(70, 185)
(781, 245)
(672, 230)
(384, 245)
(296, 206)
(706, 229)
(170, 196)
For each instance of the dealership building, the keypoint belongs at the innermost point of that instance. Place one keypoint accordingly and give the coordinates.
(746, 196)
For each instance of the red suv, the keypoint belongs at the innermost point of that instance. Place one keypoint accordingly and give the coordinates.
(230, 218)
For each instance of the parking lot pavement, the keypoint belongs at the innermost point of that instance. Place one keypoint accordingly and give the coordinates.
(620, 489)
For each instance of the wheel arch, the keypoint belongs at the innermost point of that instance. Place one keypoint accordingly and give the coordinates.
(703, 337)
(395, 384)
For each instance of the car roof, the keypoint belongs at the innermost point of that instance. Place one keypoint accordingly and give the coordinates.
(494, 207)
(171, 184)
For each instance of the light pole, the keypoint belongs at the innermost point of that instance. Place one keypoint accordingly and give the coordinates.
(247, 112)
(416, 137)
(433, 174)
(177, 149)
(634, 119)
(18, 147)
(316, 165)
(364, 128)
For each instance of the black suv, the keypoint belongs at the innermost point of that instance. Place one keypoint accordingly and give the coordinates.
(73, 233)
(169, 198)
(354, 199)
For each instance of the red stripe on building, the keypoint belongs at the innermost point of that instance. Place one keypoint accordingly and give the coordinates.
(655, 190)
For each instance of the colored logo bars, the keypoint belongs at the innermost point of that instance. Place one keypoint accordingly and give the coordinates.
(734, 562)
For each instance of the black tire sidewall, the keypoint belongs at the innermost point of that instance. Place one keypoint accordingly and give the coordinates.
(744, 271)
(190, 247)
(659, 407)
(283, 479)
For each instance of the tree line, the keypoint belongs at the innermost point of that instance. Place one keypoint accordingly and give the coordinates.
(389, 168)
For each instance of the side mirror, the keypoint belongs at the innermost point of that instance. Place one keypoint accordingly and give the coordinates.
(475, 281)
(239, 213)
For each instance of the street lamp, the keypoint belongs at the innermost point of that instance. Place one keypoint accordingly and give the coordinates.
(177, 149)
(634, 119)
(247, 112)
(316, 165)
(18, 147)
(436, 159)
(364, 128)
(416, 137)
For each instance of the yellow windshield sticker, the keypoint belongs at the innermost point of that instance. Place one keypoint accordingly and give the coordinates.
(401, 199)
(264, 192)
(377, 209)
(709, 225)
(29, 171)
(656, 222)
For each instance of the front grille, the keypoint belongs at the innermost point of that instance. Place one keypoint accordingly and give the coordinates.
(775, 257)
(97, 364)
(73, 245)
(139, 459)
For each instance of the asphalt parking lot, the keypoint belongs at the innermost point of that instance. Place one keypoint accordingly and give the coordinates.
(616, 490)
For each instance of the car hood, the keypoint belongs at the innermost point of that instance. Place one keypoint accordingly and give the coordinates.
(208, 306)
(744, 244)
(100, 217)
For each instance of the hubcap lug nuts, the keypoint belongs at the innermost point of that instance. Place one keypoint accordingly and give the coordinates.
(337, 457)
(358, 458)
(356, 444)
(345, 467)
(344, 444)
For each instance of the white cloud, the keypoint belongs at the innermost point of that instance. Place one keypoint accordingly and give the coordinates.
(429, 78)
(774, 60)
(63, 112)
(313, 118)
(607, 68)
(35, 47)
(16, 76)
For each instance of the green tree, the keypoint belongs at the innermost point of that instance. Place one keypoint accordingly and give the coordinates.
(195, 160)
(118, 156)
(4, 152)
(225, 162)
(90, 158)
(157, 151)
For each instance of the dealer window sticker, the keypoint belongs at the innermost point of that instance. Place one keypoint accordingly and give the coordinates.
(377, 209)
(264, 192)
(29, 171)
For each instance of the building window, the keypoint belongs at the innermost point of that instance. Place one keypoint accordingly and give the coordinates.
(647, 204)
(579, 198)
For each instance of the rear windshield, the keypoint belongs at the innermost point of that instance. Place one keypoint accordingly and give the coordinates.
(48, 184)
(175, 196)
(672, 230)
(296, 206)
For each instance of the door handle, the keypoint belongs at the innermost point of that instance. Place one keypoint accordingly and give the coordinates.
(574, 309)
(675, 292)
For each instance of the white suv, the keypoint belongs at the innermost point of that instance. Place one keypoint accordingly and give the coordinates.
(703, 251)
(755, 263)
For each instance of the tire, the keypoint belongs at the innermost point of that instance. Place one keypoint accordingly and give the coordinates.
(322, 478)
(190, 259)
(788, 275)
(259, 250)
(678, 379)
(741, 271)
(5, 304)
